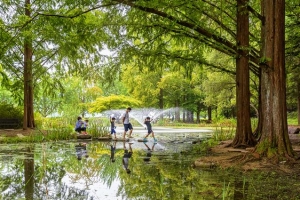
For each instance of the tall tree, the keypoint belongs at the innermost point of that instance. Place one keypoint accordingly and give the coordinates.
(243, 136)
(28, 120)
(181, 20)
(58, 38)
(274, 131)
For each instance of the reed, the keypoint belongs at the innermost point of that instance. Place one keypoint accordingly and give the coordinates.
(222, 133)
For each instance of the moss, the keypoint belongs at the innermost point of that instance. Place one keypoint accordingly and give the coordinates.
(264, 148)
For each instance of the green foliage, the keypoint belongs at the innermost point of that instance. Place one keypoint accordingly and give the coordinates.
(225, 122)
(144, 85)
(78, 94)
(204, 147)
(223, 133)
(292, 118)
(55, 129)
(98, 127)
(219, 90)
(112, 102)
(9, 111)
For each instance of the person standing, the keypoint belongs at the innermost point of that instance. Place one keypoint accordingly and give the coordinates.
(126, 123)
(149, 128)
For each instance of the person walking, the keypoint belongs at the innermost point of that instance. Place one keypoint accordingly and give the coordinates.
(113, 127)
(149, 128)
(126, 123)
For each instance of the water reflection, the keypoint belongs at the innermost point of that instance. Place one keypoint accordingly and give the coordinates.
(126, 157)
(28, 173)
(53, 171)
(81, 151)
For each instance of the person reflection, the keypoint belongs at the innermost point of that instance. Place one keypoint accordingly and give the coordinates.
(149, 152)
(113, 151)
(127, 155)
(81, 151)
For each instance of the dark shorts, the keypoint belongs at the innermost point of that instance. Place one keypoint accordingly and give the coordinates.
(112, 131)
(80, 129)
(128, 127)
(149, 130)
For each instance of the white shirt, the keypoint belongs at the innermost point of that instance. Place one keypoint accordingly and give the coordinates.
(126, 116)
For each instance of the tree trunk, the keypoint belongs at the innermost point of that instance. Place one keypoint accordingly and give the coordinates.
(161, 102)
(209, 118)
(177, 111)
(274, 131)
(198, 112)
(257, 132)
(298, 101)
(28, 120)
(243, 136)
(29, 174)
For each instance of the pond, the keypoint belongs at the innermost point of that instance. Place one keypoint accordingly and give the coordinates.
(85, 170)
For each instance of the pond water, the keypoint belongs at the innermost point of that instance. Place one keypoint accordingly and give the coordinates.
(53, 171)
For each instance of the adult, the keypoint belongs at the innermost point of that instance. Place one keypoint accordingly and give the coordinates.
(127, 155)
(126, 123)
(78, 126)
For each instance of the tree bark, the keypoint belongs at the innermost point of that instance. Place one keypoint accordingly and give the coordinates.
(209, 117)
(28, 120)
(243, 136)
(198, 112)
(298, 101)
(29, 174)
(274, 131)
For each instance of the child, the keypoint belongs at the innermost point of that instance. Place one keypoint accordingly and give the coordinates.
(112, 126)
(149, 127)
(78, 126)
(86, 124)
(112, 152)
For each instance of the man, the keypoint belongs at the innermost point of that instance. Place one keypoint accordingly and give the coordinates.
(127, 155)
(126, 123)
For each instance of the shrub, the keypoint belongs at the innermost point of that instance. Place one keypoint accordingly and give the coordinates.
(8, 111)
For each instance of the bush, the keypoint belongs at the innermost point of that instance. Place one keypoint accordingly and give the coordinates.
(9, 111)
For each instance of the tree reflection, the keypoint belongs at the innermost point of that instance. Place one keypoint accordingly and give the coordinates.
(29, 173)
(52, 171)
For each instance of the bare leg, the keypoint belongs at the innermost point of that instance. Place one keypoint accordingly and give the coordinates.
(124, 134)
(153, 147)
(130, 149)
(153, 135)
(130, 132)
(124, 146)
(146, 136)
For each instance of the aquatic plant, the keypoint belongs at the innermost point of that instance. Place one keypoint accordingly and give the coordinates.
(222, 133)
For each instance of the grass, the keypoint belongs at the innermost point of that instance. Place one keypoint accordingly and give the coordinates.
(54, 129)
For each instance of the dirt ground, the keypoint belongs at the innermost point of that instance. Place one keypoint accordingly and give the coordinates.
(15, 132)
(246, 159)
(225, 157)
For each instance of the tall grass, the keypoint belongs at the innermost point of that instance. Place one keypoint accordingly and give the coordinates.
(98, 128)
(223, 133)
(54, 129)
